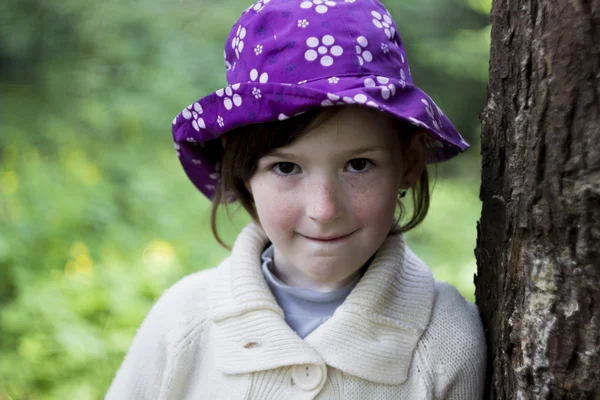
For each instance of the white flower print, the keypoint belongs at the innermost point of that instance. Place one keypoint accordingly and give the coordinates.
(363, 55)
(402, 78)
(220, 121)
(256, 93)
(387, 89)
(227, 63)
(333, 80)
(177, 148)
(210, 187)
(439, 109)
(197, 161)
(349, 1)
(333, 99)
(194, 111)
(384, 22)
(238, 43)
(437, 122)
(418, 123)
(321, 6)
(324, 49)
(360, 99)
(303, 23)
(258, 6)
(282, 117)
(231, 98)
(264, 77)
(258, 49)
(385, 48)
(303, 82)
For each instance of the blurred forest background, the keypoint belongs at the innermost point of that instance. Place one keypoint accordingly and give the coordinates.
(97, 217)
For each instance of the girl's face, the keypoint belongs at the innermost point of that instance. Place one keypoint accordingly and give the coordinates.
(327, 200)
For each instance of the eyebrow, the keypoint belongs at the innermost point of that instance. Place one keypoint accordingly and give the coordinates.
(359, 150)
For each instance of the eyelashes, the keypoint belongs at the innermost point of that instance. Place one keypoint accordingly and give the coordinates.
(356, 165)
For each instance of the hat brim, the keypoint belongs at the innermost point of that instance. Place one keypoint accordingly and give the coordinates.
(255, 102)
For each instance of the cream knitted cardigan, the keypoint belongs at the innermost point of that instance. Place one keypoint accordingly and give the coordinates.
(220, 334)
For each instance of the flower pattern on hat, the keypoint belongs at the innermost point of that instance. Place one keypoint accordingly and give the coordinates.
(324, 50)
(231, 98)
(303, 55)
(384, 22)
(264, 77)
(259, 5)
(437, 123)
(402, 78)
(238, 42)
(321, 6)
(363, 55)
(387, 89)
(193, 111)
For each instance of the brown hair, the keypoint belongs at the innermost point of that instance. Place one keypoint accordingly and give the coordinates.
(244, 146)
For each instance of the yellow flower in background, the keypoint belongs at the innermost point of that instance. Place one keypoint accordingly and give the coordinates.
(77, 162)
(90, 174)
(80, 263)
(78, 248)
(9, 182)
(159, 257)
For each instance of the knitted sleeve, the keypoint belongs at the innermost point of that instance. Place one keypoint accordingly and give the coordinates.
(151, 368)
(453, 348)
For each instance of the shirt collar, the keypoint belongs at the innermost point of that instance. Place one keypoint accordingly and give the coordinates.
(372, 335)
(301, 295)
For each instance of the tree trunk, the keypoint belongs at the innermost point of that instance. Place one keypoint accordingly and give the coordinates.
(538, 245)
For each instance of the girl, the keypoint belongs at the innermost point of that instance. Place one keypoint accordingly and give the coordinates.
(319, 135)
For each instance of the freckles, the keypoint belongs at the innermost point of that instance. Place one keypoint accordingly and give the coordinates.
(374, 199)
(278, 209)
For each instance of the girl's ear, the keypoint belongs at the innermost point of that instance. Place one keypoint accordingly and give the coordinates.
(414, 160)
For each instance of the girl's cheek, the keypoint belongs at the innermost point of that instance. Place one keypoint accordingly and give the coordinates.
(276, 201)
(374, 196)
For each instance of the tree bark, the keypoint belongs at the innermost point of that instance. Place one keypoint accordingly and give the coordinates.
(538, 245)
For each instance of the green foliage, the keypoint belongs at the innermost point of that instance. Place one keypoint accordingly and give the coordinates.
(97, 217)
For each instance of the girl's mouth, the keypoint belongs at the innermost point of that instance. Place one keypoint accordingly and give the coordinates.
(329, 239)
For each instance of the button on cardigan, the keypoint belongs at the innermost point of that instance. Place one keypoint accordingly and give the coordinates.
(220, 334)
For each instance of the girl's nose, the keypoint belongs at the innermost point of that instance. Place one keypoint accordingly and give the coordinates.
(322, 201)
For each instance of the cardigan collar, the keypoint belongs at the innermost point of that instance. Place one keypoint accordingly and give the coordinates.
(372, 335)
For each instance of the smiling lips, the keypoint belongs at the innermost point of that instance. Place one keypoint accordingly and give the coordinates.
(326, 239)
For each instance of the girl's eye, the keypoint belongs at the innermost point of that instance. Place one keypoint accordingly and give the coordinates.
(359, 165)
(285, 168)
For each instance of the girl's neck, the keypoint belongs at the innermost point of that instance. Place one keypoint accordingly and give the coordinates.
(291, 276)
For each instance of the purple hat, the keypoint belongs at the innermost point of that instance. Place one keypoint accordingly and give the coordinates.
(284, 57)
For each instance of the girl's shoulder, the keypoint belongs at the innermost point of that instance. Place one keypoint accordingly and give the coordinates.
(453, 347)
(450, 308)
(185, 303)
